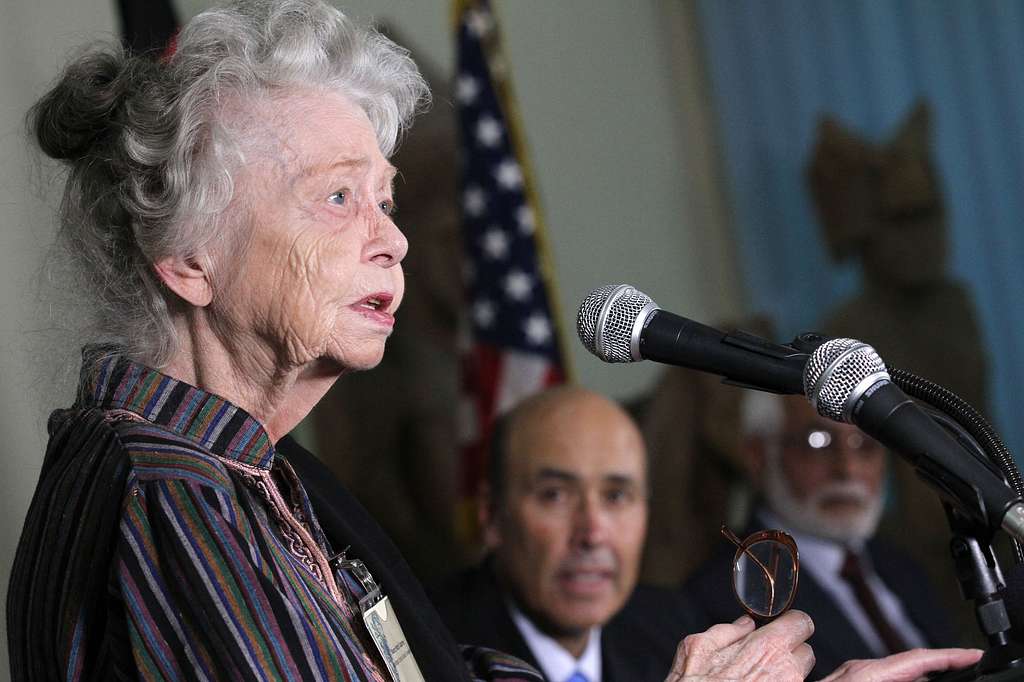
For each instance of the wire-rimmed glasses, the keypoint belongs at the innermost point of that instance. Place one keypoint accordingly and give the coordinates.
(765, 572)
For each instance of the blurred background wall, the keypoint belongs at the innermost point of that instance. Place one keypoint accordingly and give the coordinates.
(669, 142)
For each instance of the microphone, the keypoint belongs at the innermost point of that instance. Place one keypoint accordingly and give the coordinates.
(846, 381)
(618, 323)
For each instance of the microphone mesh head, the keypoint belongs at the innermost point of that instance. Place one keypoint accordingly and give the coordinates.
(837, 374)
(606, 319)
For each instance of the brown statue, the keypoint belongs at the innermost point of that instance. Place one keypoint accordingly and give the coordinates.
(882, 204)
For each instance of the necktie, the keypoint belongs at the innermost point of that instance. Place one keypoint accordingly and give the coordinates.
(853, 573)
(577, 677)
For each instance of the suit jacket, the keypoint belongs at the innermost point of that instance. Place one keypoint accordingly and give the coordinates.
(835, 640)
(637, 645)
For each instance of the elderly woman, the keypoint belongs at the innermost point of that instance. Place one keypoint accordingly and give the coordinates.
(230, 208)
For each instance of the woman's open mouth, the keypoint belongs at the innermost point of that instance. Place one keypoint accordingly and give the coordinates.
(376, 307)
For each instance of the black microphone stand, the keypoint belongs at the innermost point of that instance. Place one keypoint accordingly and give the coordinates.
(977, 567)
(981, 580)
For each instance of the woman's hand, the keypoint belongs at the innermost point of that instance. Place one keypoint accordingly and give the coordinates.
(905, 667)
(736, 651)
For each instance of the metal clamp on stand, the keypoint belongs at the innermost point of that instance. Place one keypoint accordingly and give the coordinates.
(981, 580)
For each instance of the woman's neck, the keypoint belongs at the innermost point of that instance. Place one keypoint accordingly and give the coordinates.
(246, 372)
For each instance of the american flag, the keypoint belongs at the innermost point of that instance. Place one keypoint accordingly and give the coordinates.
(511, 346)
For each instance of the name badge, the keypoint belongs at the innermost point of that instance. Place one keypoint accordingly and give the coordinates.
(382, 623)
(387, 634)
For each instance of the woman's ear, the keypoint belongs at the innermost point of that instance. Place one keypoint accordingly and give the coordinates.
(189, 278)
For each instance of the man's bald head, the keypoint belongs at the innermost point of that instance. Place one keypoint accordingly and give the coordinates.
(558, 408)
(567, 512)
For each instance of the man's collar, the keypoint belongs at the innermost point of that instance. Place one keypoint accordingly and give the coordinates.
(555, 662)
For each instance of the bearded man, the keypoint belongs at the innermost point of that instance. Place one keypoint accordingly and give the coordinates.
(823, 483)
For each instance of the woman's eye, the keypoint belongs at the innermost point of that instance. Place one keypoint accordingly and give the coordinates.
(388, 207)
(338, 198)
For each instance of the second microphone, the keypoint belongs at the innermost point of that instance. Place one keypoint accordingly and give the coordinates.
(619, 323)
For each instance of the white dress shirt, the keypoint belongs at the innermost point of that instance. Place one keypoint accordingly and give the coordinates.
(823, 559)
(555, 662)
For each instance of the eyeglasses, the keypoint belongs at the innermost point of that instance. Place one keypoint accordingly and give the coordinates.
(825, 441)
(765, 572)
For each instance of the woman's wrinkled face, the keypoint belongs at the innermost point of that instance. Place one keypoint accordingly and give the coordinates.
(320, 277)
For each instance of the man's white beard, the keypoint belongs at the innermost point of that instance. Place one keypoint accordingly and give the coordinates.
(807, 516)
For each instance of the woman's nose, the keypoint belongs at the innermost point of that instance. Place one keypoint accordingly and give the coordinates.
(387, 245)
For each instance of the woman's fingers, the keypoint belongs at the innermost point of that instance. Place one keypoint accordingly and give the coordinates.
(792, 628)
(736, 650)
(906, 666)
(804, 657)
(708, 643)
(724, 634)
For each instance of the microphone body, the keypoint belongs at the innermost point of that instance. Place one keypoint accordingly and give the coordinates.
(847, 381)
(973, 485)
(741, 358)
(620, 324)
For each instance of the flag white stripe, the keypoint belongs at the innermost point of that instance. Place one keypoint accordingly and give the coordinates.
(522, 374)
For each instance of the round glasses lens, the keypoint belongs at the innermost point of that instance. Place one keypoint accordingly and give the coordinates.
(764, 577)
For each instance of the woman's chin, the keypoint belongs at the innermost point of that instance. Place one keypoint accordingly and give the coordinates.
(367, 356)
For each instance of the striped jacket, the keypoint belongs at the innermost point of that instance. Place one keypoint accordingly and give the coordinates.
(166, 542)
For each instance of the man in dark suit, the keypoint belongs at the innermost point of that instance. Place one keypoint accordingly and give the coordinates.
(822, 482)
(564, 516)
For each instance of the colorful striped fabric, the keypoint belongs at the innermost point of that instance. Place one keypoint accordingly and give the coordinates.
(166, 542)
(489, 665)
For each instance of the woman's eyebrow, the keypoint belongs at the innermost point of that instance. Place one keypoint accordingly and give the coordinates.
(311, 169)
(349, 163)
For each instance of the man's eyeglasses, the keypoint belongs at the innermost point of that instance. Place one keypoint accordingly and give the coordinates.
(765, 572)
(825, 441)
